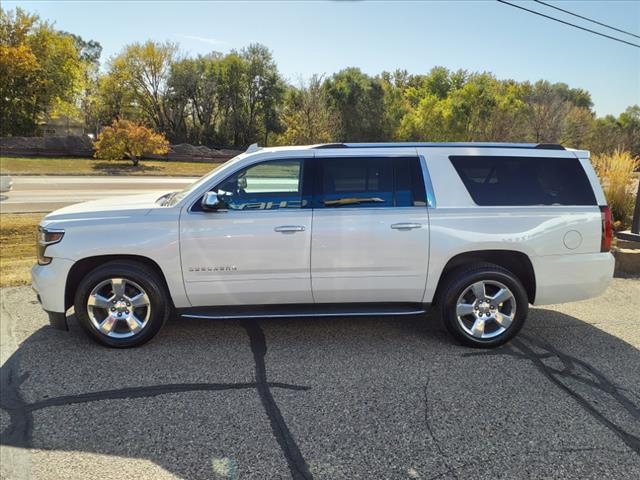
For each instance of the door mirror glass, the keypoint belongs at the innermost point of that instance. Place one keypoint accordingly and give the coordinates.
(211, 202)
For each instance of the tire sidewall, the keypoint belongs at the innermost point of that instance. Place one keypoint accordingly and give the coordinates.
(138, 274)
(462, 281)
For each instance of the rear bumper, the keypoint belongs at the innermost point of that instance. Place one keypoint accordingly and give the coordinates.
(567, 278)
(49, 282)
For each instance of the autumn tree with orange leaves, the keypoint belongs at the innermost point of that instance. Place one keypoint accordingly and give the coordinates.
(125, 139)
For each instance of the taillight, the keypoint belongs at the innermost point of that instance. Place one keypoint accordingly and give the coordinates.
(607, 229)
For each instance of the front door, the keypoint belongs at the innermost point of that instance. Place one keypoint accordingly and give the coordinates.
(256, 248)
(370, 228)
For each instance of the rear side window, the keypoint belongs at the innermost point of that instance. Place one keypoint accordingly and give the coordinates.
(493, 181)
(369, 182)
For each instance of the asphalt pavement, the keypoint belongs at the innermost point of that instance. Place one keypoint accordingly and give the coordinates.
(48, 193)
(328, 398)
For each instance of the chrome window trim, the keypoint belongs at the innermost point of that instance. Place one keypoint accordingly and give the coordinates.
(431, 198)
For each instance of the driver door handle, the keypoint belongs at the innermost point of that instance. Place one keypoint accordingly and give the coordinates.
(406, 226)
(289, 228)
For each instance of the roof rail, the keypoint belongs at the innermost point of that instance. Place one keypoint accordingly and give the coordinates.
(549, 146)
(332, 145)
(539, 146)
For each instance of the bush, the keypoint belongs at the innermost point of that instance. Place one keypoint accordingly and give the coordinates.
(125, 139)
(616, 172)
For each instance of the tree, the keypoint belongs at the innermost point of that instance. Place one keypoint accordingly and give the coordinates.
(306, 117)
(547, 109)
(358, 102)
(125, 139)
(143, 68)
(42, 72)
(194, 85)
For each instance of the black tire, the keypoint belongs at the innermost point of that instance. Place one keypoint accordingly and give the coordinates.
(459, 281)
(133, 271)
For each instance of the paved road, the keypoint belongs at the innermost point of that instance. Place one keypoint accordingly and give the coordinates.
(326, 398)
(47, 193)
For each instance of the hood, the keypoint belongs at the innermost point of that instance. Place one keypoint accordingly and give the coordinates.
(117, 206)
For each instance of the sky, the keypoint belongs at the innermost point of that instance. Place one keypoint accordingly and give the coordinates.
(308, 37)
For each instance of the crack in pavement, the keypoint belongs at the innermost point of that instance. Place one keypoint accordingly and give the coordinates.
(571, 369)
(20, 429)
(450, 469)
(297, 464)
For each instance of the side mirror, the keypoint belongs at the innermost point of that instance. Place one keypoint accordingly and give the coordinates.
(211, 202)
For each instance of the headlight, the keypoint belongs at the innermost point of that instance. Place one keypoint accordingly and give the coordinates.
(46, 237)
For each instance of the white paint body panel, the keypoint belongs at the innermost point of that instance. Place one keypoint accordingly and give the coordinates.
(357, 256)
(343, 255)
(266, 267)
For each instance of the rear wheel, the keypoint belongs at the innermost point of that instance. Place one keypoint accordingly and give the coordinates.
(121, 304)
(483, 305)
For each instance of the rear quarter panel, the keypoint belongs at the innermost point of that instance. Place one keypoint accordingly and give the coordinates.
(458, 225)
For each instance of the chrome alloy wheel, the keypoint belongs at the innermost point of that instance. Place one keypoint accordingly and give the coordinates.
(118, 308)
(486, 309)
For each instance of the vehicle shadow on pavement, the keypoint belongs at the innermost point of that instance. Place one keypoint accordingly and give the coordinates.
(333, 398)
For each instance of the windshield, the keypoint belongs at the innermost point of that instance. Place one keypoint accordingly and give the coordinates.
(177, 196)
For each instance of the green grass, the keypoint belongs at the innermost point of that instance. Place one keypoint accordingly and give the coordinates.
(90, 166)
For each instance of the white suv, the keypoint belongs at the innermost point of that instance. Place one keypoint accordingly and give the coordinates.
(480, 230)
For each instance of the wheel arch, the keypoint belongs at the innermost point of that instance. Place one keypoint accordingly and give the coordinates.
(516, 262)
(82, 267)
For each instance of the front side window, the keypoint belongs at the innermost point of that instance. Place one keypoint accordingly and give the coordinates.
(270, 185)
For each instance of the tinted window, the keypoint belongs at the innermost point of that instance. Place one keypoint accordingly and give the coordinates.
(266, 186)
(524, 180)
(369, 182)
(409, 189)
(361, 182)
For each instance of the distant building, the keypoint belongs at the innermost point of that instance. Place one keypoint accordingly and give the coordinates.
(61, 126)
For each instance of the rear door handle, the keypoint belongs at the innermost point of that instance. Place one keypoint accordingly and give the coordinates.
(406, 226)
(289, 228)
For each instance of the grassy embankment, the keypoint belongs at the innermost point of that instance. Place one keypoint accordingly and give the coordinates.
(90, 166)
(17, 247)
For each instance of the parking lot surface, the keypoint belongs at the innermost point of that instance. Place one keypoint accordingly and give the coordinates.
(327, 398)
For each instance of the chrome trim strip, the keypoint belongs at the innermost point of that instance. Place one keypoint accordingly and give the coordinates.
(291, 315)
(431, 197)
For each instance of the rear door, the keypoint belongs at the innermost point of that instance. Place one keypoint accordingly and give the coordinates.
(370, 239)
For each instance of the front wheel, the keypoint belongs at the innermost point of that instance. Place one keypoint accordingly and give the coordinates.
(121, 304)
(483, 305)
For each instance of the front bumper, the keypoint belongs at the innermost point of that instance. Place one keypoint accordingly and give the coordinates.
(49, 283)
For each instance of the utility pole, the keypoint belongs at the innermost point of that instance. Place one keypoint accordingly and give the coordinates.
(635, 225)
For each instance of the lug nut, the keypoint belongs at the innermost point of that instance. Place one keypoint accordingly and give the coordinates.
(128, 304)
(113, 309)
(127, 312)
(119, 314)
